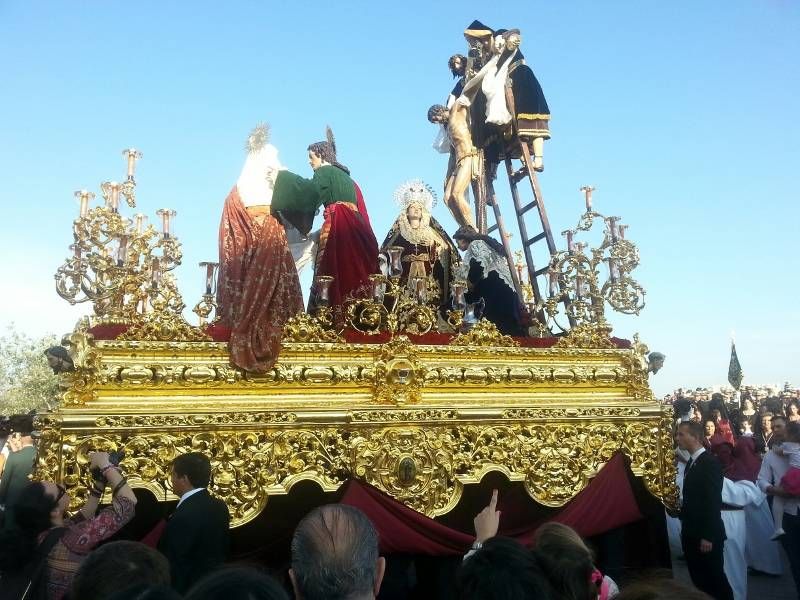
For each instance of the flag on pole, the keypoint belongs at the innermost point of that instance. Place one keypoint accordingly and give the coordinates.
(734, 369)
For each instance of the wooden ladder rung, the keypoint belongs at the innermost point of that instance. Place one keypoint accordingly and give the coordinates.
(528, 207)
(492, 228)
(519, 174)
(535, 239)
(541, 271)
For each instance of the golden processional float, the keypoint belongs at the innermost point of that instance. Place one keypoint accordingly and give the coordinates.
(418, 421)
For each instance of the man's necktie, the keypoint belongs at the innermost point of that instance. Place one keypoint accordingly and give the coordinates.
(689, 463)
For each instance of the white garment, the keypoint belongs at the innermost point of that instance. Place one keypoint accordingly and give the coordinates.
(761, 552)
(792, 451)
(737, 493)
(442, 143)
(493, 87)
(773, 468)
(254, 185)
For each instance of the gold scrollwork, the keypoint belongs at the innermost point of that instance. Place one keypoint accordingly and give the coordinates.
(484, 333)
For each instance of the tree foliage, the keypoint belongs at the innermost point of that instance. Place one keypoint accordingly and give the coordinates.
(26, 380)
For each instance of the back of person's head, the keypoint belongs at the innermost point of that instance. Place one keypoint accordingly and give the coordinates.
(195, 466)
(237, 583)
(21, 424)
(335, 555)
(32, 510)
(662, 589)
(503, 569)
(145, 592)
(117, 566)
(556, 536)
(570, 571)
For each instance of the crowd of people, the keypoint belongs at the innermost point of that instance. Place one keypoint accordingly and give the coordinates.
(739, 476)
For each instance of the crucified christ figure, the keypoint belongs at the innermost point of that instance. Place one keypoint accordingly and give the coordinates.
(467, 159)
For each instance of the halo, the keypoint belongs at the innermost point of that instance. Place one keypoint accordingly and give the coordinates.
(258, 138)
(415, 190)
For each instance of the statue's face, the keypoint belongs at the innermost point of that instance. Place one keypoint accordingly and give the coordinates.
(462, 244)
(414, 215)
(314, 160)
(498, 44)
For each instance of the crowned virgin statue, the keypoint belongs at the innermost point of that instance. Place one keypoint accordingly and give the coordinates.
(258, 289)
(427, 249)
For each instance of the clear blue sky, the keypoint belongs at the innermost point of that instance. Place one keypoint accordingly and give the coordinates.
(684, 114)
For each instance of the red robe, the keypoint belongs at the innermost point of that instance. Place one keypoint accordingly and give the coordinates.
(257, 289)
(348, 250)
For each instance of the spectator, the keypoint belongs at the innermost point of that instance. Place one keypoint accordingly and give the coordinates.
(723, 424)
(40, 524)
(503, 569)
(116, 567)
(702, 531)
(335, 555)
(773, 468)
(793, 411)
(570, 573)
(237, 583)
(712, 436)
(763, 436)
(18, 466)
(556, 540)
(196, 537)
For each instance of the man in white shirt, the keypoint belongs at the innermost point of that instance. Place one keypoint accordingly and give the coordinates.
(773, 467)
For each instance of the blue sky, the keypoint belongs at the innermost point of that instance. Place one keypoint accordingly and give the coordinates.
(683, 114)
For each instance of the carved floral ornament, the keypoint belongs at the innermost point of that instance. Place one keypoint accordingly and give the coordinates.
(424, 466)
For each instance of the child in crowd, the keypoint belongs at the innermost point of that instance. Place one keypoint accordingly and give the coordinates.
(790, 482)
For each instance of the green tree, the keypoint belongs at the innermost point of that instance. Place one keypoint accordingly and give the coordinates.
(26, 380)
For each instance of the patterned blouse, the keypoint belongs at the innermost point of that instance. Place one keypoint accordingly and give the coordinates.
(80, 538)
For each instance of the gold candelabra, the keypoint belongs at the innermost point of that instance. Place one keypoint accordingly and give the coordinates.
(124, 266)
(392, 306)
(575, 279)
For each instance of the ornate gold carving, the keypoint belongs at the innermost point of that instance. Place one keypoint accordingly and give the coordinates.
(372, 416)
(307, 328)
(572, 412)
(398, 376)
(418, 422)
(595, 334)
(485, 333)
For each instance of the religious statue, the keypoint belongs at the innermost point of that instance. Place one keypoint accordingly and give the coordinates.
(466, 166)
(526, 103)
(485, 268)
(427, 248)
(348, 250)
(258, 289)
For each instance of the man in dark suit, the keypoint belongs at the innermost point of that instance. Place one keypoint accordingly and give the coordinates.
(195, 540)
(702, 532)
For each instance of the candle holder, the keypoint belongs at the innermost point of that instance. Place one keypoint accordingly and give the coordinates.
(207, 304)
(394, 307)
(124, 268)
(166, 215)
(132, 155)
(575, 278)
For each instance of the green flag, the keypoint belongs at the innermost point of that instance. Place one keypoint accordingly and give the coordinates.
(734, 369)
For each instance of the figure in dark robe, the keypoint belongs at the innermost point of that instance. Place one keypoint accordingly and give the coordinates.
(427, 249)
(485, 269)
(348, 250)
(257, 288)
(492, 115)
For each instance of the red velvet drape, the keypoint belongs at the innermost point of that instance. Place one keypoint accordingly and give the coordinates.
(606, 503)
